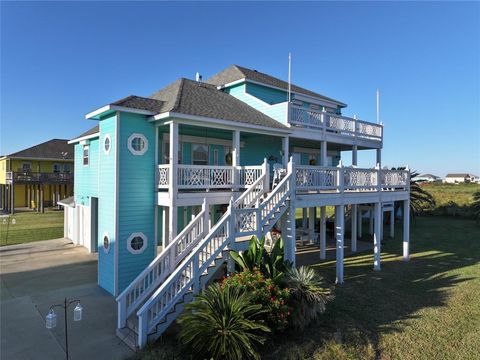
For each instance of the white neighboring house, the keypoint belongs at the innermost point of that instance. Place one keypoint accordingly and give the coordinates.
(460, 178)
(426, 178)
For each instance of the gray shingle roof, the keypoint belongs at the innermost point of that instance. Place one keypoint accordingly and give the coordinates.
(92, 131)
(51, 149)
(142, 103)
(196, 98)
(235, 72)
(459, 175)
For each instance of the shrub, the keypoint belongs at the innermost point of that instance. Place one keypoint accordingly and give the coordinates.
(222, 324)
(263, 291)
(308, 296)
(256, 257)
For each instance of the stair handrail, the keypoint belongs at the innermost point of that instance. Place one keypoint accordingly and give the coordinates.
(250, 196)
(184, 277)
(160, 267)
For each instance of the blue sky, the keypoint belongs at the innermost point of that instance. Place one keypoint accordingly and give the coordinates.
(60, 60)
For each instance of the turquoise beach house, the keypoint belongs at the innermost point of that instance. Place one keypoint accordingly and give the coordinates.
(166, 184)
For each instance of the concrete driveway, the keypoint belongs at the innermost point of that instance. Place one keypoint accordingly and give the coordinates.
(37, 275)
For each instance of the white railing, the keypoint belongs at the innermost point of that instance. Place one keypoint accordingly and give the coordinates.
(341, 179)
(209, 176)
(186, 276)
(322, 178)
(396, 179)
(338, 124)
(163, 265)
(256, 189)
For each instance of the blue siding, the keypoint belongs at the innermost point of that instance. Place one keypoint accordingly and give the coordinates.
(106, 206)
(136, 197)
(86, 176)
(267, 94)
(277, 112)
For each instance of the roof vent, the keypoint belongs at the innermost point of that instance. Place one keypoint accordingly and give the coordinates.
(198, 77)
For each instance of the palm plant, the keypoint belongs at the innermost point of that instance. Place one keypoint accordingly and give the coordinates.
(420, 199)
(221, 324)
(308, 295)
(476, 205)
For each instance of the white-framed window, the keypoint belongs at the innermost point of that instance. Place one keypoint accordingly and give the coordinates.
(106, 243)
(166, 152)
(26, 167)
(107, 144)
(86, 154)
(137, 243)
(56, 168)
(137, 144)
(199, 154)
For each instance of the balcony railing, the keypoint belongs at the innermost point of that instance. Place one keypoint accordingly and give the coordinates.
(39, 177)
(196, 177)
(344, 179)
(338, 124)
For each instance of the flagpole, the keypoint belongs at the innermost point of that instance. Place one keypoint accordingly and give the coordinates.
(289, 76)
(378, 106)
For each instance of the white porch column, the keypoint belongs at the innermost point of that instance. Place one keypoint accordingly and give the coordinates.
(376, 236)
(311, 224)
(323, 153)
(370, 224)
(172, 186)
(165, 230)
(323, 232)
(354, 228)
(381, 222)
(392, 222)
(379, 158)
(288, 234)
(339, 232)
(355, 155)
(304, 220)
(236, 155)
(285, 149)
(406, 230)
(359, 222)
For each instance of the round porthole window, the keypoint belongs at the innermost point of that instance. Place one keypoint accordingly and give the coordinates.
(107, 144)
(137, 144)
(106, 243)
(137, 243)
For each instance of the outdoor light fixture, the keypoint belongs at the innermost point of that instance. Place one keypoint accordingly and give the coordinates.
(51, 318)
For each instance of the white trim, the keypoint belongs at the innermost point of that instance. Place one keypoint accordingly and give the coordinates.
(130, 147)
(95, 113)
(86, 137)
(236, 82)
(116, 206)
(83, 155)
(105, 234)
(200, 140)
(129, 243)
(221, 124)
(105, 151)
(155, 190)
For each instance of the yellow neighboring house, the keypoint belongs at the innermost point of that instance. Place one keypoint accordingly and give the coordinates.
(36, 177)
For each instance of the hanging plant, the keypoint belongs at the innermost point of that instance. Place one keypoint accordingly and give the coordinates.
(228, 158)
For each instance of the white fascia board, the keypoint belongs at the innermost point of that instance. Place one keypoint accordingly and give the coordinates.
(233, 83)
(91, 136)
(39, 159)
(94, 114)
(313, 100)
(225, 124)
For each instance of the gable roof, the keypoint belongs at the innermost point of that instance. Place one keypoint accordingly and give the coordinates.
(141, 103)
(236, 72)
(459, 175)
(200, 99)
(91, 131)
(51, 149)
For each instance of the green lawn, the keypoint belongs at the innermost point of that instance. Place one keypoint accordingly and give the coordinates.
(461, 194)
(31, 226)
(428, 308)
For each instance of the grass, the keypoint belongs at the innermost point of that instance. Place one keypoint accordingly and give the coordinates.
(427, 308)
(460, 194)
(31, 226)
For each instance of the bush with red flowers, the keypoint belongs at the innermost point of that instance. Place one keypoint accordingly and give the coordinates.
(264, 292)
